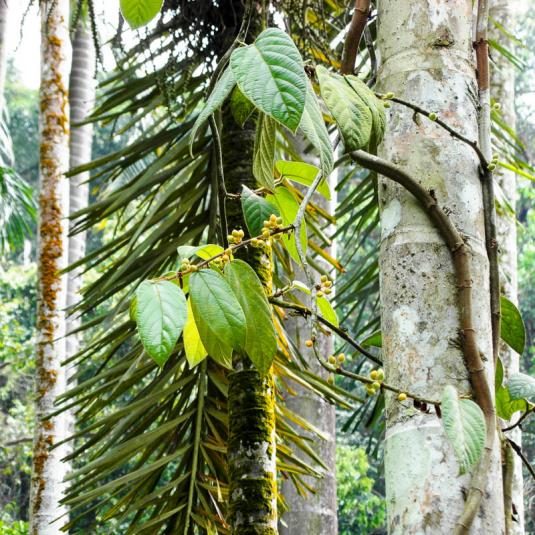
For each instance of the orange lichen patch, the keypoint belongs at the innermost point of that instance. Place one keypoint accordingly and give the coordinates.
(40, 456)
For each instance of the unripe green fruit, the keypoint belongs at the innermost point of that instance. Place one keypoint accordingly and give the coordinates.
(341, 357)
(386, 104)
(491, 166)
(402, 396)
(376, 385)
(390, 95)
(309, 343)
(370, 390)
(380, 374)
(332, 359)
(432, 116)
(330, 379)
(373, 374)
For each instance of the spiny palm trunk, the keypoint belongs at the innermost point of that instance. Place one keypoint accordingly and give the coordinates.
(48, 471)
(427, 58)
(251, 401)
(503, 91)
(82, 96)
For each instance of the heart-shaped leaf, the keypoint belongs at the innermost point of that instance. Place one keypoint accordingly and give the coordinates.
(512, 330)
(505, 405)
(218, 95)
(521, 386)
(261, 340)
(160, 315)
(140, 12)
(313, 127)
(270, 74)
(264, 151)
(193, 346)
(240, 106)
(256, 210)
(218, 315)
(465, 428)
(352, 115)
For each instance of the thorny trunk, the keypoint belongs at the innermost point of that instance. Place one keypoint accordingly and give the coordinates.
(503, 91)
(316, 514)
(48, 471)
(427, 58)
(4, 9)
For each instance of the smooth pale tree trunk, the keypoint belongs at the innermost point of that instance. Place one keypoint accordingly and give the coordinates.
(48, 471)
(81, 96)
(427, 58)
(316, 514)
(503, 91)
(4, 10)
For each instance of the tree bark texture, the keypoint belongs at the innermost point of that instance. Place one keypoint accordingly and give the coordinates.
(4, 9)
(48, 471)
(503, 91)
(427, 58)
(316, 514)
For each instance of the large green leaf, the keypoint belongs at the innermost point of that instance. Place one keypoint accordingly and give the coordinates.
(288, 208)
(313, 127)
(193, 346)
(375, 339)
(160, 315)
(261, 340)
(218, 95)
(505, 405)
(512, 331)
(302, 173)
(202, 251)
(352, 115)
(521, 386)
(240, 106)
(464, 424)
(270, 74)
(140, 12)
(264, 151)
(376, 107)
(218, 315)
(256, 210)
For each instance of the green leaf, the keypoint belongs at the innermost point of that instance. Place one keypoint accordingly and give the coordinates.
(352, 115)
(302, 173)
(256, 210)
(375, 106)
(240, 106)
(270, 74)
(264, 151)
(193, 346)
(313, 128)
(464, 425)
(521, 386)
(261, 340)
(327, 311)
(288, 208)
(140, 12)
(202, 251)
(505, 406)
(160, 315)
(375, 340)
(218, 95)
(301, 286)
(498, 375)
(512, 331)
(218, 315)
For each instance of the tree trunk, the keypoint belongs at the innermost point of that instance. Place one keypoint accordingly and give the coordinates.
(251, 400)
(4, 9)
(316, 514)
(82, 96)
(48, 471)
(427, 58)
(503, 91)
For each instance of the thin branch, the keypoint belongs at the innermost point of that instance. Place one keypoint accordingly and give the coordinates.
(531, 410)
(342, 333)
(518, 451)
(454, 133)
(352, 41)
(16, 442)
(233, 247)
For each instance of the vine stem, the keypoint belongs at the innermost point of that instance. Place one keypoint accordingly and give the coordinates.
(476, 369)
(354, 34)
(342, 333)
(519, 452)
(530, 410)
